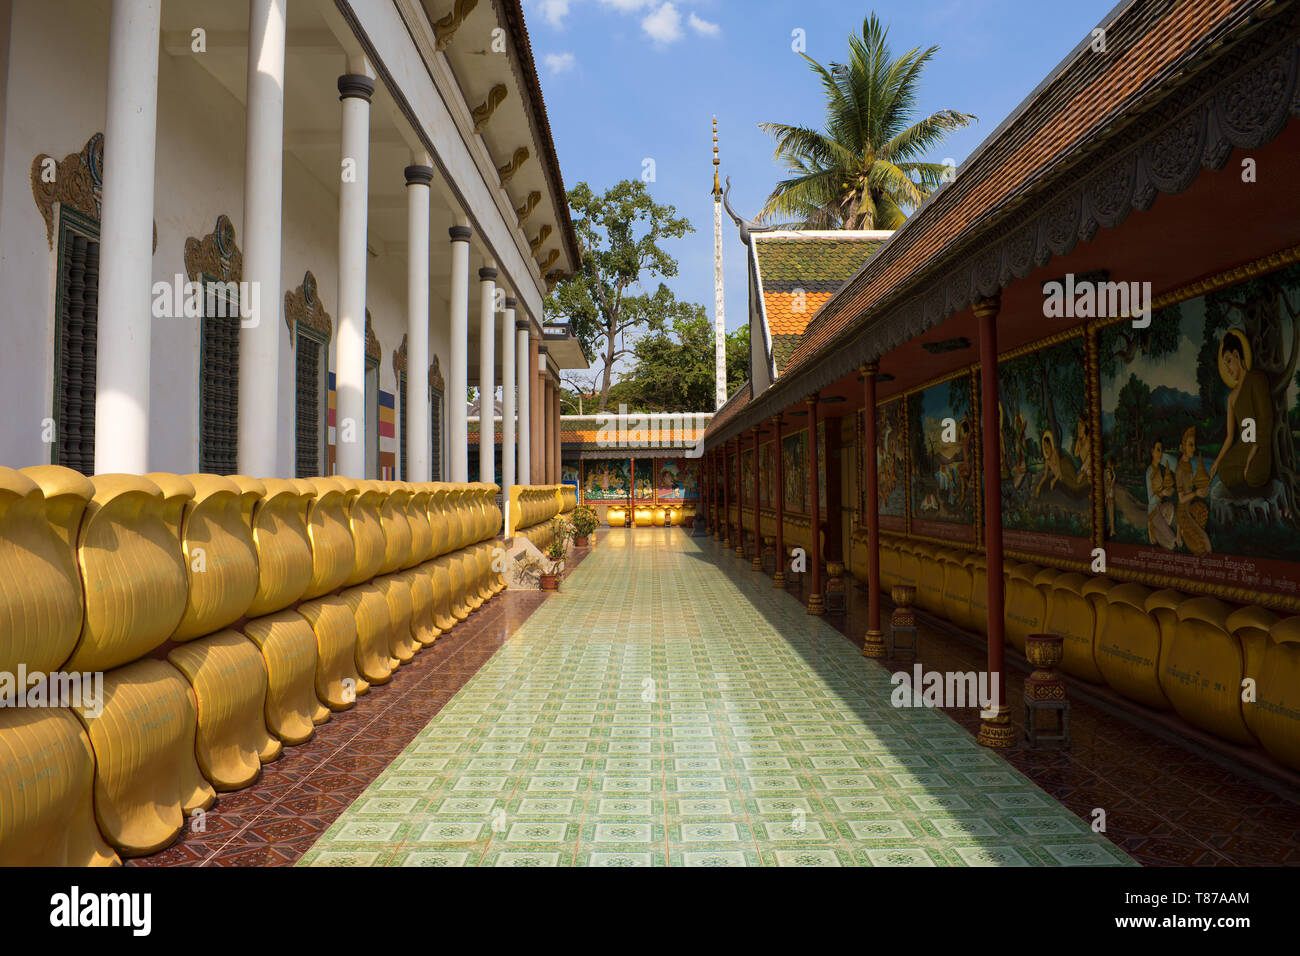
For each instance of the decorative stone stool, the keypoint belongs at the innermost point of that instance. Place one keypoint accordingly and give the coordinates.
(835, 602)
(1045, 690)
(902, 623)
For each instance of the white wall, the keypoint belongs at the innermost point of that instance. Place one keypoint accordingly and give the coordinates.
(55, 101)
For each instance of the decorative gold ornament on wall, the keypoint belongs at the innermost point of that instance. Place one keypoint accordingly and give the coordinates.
(507, 172)
(483, 112)
(216, 255)
(302, 306)
(444, 28)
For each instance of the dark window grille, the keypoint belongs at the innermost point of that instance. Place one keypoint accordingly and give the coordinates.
(308, 392)
(401, 418)
(219, 384)
(74, 374)
(435, 424)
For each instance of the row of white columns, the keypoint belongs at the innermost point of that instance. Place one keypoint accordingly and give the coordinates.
(122, 406)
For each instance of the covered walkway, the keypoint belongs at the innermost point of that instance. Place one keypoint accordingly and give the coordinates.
(664, 710)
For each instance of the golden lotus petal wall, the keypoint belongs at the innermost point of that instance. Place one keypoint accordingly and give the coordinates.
(220, 561)
(132, 570)
(41, 601)
(374, 623)
(1202, 667)
(284, 563)
(229, 680)
(417, 516)
(439, 572)
(1070, 614)
(1277, 710)
(146, 778)
(363, 502)
(1251, 626)
(337, 682)
(288, 647)
(420, 582)
(437, 512)
(397, 593)
(333, 552)
(396, 525)
(47, 776)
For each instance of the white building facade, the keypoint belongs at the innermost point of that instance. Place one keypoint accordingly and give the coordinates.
(271, 237)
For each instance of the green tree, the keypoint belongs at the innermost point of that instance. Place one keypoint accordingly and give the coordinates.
(674, 367)
(1132, 417)
(863, 170)
(620, 233)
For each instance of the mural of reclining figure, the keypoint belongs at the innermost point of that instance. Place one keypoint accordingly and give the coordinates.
(1060, 471)
(1244, 467)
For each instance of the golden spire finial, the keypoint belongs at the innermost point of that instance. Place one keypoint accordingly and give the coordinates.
(717, 186)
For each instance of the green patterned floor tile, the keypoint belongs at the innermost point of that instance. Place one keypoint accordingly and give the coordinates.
(657, 712)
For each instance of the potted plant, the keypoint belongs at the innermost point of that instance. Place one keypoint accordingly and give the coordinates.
(555, 553)
(584, 521)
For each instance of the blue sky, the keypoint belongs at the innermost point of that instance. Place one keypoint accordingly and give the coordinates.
(629, 80)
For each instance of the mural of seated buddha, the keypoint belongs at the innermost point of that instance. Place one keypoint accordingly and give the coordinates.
(1244, 467)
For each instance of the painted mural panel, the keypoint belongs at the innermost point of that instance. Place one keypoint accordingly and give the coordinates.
(645, 479)
(677, 479)
(944, 466)
(794, 462)
(1046, 452)
(606, 478)
(767, 475)
(891, 464)
(569, 473)
(1200, 425)
(747, 477)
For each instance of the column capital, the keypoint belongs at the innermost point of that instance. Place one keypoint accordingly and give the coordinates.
(987, 307)
(487, 274)
(460, 233)
(869, 368)
(356, 86)
(418, 175)
(521, 325)
(511, 303)
(811, 400)
(776, 420)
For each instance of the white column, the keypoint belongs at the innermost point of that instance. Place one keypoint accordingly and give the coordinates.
(507, 404)
(487, 281)
(355, 90)
(259, 340)
(416, 426)
(126, 236)
(458, 372)
(522, 378)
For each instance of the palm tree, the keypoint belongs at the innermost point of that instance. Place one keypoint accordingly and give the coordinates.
(862, 172)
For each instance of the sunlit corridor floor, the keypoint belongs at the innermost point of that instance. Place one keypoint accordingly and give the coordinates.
(654, 713)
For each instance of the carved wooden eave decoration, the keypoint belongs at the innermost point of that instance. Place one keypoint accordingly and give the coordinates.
(303, 307)
(374, 351)
(550, 260)
(526, 210)
(542, 235)
(444, 28)
(216, 255)
(483, 112)
(78, 184)
(399, 359)
(436, 382)
(507, 172)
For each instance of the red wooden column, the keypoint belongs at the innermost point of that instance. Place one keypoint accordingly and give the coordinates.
(816, 604)
(740, 500)
(874, 643)
(994, 731)
(757, 563)
(705, 503)
(726, 494)
(778, 462)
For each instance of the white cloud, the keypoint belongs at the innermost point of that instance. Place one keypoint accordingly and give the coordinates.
(554, 11)
(663, 25)
(627, 6)
(559, 62)
(703, 27)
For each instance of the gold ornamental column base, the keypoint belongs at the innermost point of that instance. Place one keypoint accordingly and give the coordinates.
(997, 731)
(874, 645)
(757, 563)
(778, 580)
(815, 604)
